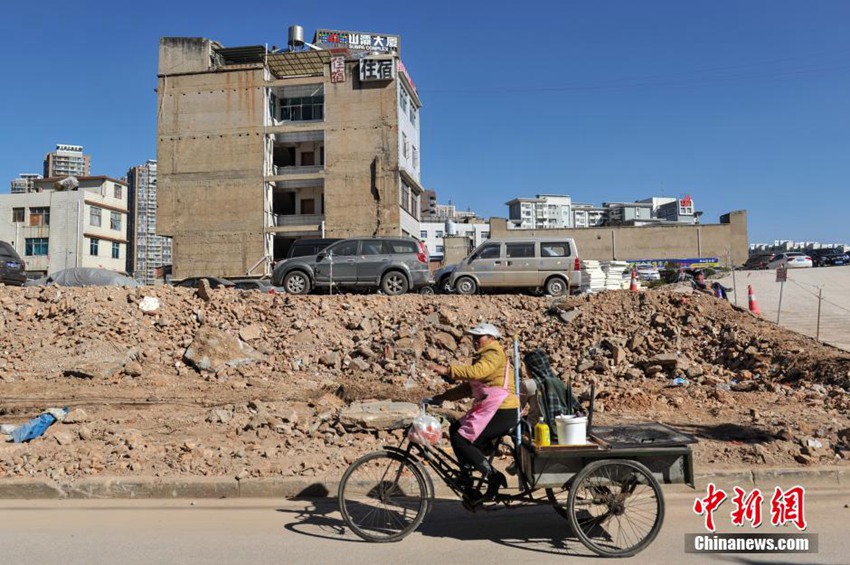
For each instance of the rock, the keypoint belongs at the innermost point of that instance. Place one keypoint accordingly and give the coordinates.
(219, 416)
(212, 349)
(378, 415)
(633, 373)
(744, 386)
(252, 332)
(330, 359)
(101, 369)
(63, 437)
(204, 291)
(784, 435)
(360, 364)
(133, 369)
(653, 369)
(76, 416)
(149, 304)
(445, 340)
(618, 355)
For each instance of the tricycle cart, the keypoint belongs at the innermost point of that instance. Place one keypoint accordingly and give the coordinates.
(608, 489)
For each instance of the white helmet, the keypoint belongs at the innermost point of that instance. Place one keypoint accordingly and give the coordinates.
(485, 329)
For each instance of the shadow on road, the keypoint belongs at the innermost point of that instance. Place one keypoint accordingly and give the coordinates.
(537, 528)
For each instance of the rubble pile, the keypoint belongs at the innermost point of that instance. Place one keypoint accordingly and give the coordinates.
(173, 381)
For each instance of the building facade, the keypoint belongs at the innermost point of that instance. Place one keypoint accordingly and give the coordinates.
(24, 183)
(146, 250)
(258, 148)
(433, 233)
(67, 160)
(55, 229)
(545, 211)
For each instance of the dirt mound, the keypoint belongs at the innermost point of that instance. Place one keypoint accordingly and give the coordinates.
(259, 391)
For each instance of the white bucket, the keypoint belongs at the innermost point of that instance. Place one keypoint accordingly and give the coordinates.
(572, 430)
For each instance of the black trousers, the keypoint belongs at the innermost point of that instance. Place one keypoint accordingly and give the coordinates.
(471, 453)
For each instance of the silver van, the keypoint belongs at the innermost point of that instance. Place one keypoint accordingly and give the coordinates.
(550, 263)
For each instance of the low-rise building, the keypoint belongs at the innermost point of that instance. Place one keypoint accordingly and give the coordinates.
(57, 228)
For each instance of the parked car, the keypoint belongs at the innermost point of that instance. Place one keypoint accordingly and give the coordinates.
(647, 272)
(215, 282)
(12, 267)
(85, 276)
(443, 278)
(393, 264)
(790, 260)
(258, 285)
(829, 257)
(550, 263)
(759, 261)
(305, 251)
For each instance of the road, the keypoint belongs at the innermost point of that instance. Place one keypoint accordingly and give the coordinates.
(800, 300)
(261, 531)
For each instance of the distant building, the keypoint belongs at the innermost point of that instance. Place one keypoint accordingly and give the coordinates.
(54, 229)
(67, 160)
(24, 183)
(147, 250)
(551, 211)
(433, 233)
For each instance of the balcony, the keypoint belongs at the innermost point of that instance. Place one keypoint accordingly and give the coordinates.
(284, 220)
(282, 170)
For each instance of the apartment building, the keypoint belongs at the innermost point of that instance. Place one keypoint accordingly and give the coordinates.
(146, 251)
(57, 228)
(67, 160)
(257, 147)
(24, 183)
(541, 212)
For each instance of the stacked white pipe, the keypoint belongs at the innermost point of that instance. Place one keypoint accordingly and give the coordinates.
(592, 276)
(614, 275)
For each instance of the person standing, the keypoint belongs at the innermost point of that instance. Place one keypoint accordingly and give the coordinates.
(494, 409)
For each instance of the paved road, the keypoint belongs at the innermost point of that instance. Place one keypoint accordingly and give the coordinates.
(307, 532)
(800, 300)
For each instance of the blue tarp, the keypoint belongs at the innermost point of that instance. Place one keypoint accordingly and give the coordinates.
(37, 426)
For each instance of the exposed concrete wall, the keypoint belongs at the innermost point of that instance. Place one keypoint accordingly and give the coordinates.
(210, 155)
(361, 148)
(726, 241)
(179, 55)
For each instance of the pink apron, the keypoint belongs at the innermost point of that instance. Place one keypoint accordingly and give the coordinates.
(486, 400)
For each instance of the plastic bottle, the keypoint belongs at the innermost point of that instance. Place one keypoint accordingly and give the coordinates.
(541, 434)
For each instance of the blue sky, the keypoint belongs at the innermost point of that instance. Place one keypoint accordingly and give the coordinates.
(742, 105)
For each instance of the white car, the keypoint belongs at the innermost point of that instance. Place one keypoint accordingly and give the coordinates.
(790, 260)
(647, 272)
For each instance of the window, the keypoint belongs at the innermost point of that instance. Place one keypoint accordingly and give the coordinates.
(116, 250)
(302, 103)
(402, 100)
(485, 235)
(441, 249)
(344, 249)
(35, 246)
(488, 252)
(413, 113)
(555, 249)
(94, 216)
(405, 146)
(93, 245)
(423, 235)
(39, 216)
(438, 233)
(372, 247)
(519, 250)
(415, 157)
(115, 221)
(17, 215)
(117, 191)
(403, 246)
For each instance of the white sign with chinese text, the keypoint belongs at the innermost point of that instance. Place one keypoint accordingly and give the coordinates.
(376, 69)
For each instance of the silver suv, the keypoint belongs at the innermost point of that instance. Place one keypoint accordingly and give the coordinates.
(393, 264)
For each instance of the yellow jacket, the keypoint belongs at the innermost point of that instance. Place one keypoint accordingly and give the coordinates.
(488, 366)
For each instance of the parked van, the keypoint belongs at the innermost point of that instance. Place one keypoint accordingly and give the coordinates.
(550, 263)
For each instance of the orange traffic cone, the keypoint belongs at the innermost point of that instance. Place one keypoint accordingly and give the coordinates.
(751, 296)
(633, 284)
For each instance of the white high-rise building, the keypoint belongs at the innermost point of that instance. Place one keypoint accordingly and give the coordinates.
(24, 183)
(67, 160)
(147, 250)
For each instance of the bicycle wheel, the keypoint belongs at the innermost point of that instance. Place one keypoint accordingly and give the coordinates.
(383, 496)
(615, 507)
(559, 498)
